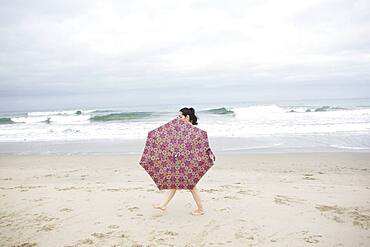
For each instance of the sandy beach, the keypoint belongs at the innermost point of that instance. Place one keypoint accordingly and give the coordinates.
(291, 199)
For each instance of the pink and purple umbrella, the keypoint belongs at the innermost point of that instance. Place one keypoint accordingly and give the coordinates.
(177, 155)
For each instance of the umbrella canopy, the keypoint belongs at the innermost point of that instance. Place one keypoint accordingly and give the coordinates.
(177, 155)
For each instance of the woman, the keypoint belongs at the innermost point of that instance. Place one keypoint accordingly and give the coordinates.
(188, 114)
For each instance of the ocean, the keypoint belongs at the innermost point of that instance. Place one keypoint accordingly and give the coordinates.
(280, 126)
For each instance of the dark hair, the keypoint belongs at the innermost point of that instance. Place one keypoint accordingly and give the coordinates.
(191, 113)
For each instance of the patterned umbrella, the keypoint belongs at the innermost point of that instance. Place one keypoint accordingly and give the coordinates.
(177, 155)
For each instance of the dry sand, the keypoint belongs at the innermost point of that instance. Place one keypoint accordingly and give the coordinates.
(301, 199)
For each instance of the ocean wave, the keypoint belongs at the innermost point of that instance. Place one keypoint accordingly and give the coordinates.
(59, 113)
(120, 116)
(270, 110)
(221, 110)
(101, 111)
(75, 117)
(6, 120)
(60, 119)
(317, 109)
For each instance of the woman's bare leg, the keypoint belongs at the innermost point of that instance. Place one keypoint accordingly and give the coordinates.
(168, 199)
(196, 197)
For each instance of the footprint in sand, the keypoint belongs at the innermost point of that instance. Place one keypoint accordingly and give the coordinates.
(243, 235)
(72, 171)
(133, 209)
(227, 186)
(304, 234)
(113, 226)
(248, 192)
(26, 245)
(312, 239)
(209, 190)
(286, 200)
(99, 235)
(68, 188)
(359, 217)
(86, 241)
(232, 197)
(65, 210)
(308, 237)
(23, 188)
(332, 212)
(227, 209)
(47, 228)
(308, 176)
(43, 218)
(170, 233)
(155, 216)
(123, 189)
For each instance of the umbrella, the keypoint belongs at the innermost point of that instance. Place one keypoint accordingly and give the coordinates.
(177, 155)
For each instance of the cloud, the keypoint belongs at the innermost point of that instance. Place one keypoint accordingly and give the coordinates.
(95, 46)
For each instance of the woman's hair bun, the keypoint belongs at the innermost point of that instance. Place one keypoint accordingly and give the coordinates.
(191, 113)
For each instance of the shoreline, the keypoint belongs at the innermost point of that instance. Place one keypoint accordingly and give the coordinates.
(267, 144)
(219, 153)
(222, 153)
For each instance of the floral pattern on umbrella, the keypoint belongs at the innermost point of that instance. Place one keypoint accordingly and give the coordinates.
(177, 155)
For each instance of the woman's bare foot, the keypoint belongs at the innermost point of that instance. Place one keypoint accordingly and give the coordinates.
(197, 211)
(159, 206)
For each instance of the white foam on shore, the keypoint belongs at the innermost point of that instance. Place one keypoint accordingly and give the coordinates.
(347, 147)
(322, 123)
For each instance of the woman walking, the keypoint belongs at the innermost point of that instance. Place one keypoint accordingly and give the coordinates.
(188, 114)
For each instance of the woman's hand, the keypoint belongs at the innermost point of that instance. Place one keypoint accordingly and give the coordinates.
(211, 155)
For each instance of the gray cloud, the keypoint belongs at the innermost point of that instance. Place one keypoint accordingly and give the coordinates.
(91, 47)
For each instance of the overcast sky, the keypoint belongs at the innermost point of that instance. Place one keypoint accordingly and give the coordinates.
(116, 50)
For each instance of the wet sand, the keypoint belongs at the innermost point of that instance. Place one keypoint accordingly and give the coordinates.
(291, 199)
